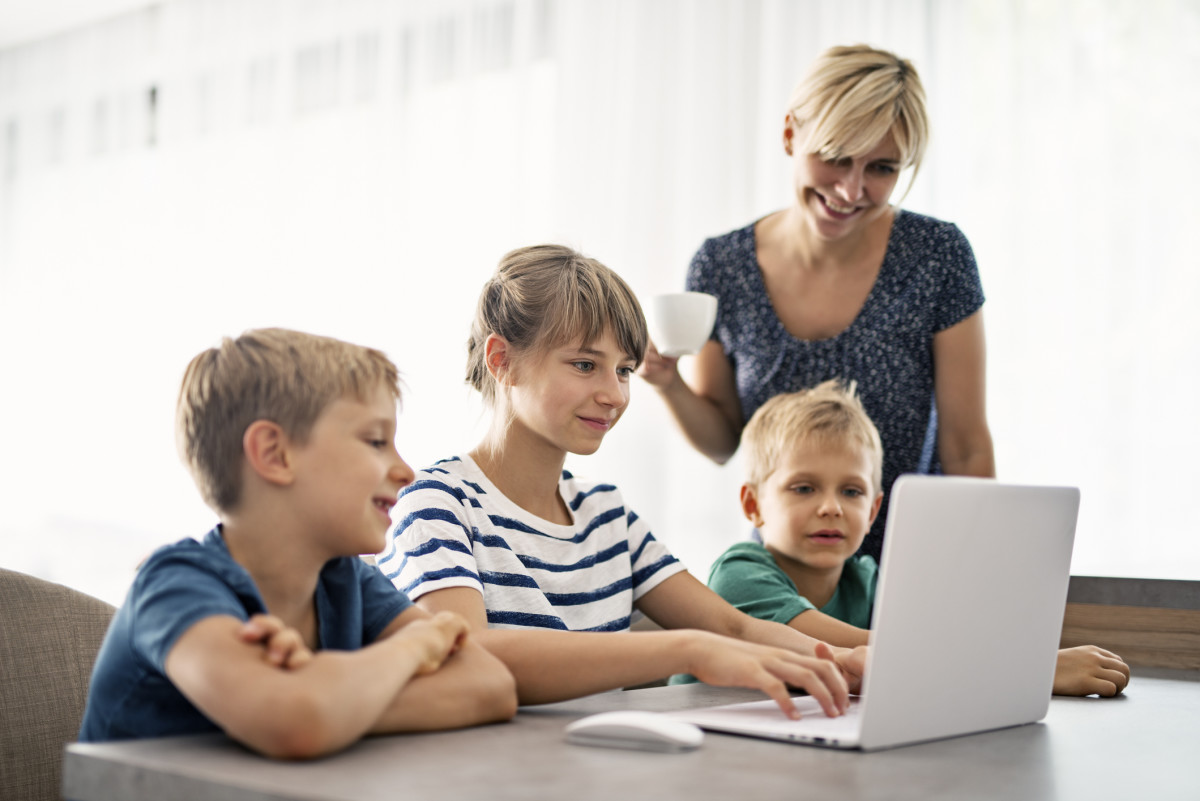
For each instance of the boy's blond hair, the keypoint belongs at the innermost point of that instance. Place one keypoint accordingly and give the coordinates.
(829, 413)
(544, 296)
(287, 377)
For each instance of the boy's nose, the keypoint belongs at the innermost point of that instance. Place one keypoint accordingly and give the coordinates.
(401, 473)
(831, 505)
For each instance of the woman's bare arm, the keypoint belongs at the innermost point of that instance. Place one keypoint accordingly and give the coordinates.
(708, 412)
(960, 388)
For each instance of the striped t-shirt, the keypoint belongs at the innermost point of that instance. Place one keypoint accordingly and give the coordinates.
(453, 528)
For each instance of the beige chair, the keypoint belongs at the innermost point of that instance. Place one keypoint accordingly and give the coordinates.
(49, 637)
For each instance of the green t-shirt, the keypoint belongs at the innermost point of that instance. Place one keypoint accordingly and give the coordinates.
(746, 575)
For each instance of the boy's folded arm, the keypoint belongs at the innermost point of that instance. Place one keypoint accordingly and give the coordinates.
(472, 686)
(283, 645)
(319, 708)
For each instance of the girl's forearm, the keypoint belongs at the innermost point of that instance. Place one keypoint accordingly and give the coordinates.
(551, 666)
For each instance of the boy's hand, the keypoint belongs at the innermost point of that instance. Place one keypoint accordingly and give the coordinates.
(1089, 670)
(726, 662)
(434, 639)
(852, 661)
(284, 646)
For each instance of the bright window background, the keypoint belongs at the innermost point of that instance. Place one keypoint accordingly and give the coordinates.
(193, 168)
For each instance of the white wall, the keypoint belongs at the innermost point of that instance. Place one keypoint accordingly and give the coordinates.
(356, 169)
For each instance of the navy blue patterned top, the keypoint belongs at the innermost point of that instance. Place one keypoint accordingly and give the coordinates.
(928, 282)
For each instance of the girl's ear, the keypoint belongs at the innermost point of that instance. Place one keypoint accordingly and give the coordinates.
(497, 357)
(268, 452)
(749, 496)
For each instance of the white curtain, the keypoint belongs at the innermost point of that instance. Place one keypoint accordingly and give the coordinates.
(200, 167)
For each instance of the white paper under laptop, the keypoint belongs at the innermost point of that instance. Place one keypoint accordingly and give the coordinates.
(968, 615)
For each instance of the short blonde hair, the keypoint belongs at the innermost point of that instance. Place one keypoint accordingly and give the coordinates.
(544, 296)
(829, 413)
(287, 377)
(852, 97)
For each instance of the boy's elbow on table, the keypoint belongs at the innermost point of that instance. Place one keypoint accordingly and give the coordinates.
(306, 730)
(497, 700)
(490, 693)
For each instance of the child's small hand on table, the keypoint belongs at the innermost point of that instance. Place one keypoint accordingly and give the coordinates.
(1089, 670)
(283, 645)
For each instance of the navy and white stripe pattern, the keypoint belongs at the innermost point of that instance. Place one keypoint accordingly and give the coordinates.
(453, 528)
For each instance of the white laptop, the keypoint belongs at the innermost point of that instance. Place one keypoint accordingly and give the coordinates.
(968, 615)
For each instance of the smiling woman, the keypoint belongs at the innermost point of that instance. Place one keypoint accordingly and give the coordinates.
(843, 285)
(845, 192)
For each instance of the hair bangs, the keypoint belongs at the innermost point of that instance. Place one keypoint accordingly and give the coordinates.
(590, 303)
(853, 98)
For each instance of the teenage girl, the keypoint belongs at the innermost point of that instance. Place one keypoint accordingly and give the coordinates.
(548, 568)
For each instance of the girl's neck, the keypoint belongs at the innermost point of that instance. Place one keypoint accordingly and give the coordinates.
(526, 469)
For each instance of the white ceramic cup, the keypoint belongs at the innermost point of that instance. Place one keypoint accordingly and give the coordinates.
(681, 322)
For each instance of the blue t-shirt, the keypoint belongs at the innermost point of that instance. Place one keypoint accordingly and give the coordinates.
(181, 584)
(928, 282)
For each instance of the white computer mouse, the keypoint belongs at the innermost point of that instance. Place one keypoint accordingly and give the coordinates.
(642, 731)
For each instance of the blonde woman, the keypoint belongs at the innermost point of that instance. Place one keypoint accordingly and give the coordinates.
(843, 284)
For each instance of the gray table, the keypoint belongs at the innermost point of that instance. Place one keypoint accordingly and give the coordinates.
(1144, 744)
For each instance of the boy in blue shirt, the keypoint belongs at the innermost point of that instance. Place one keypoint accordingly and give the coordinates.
(813, 488)
(272, 629)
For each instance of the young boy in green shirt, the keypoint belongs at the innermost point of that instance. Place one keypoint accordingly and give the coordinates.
(813, 488)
